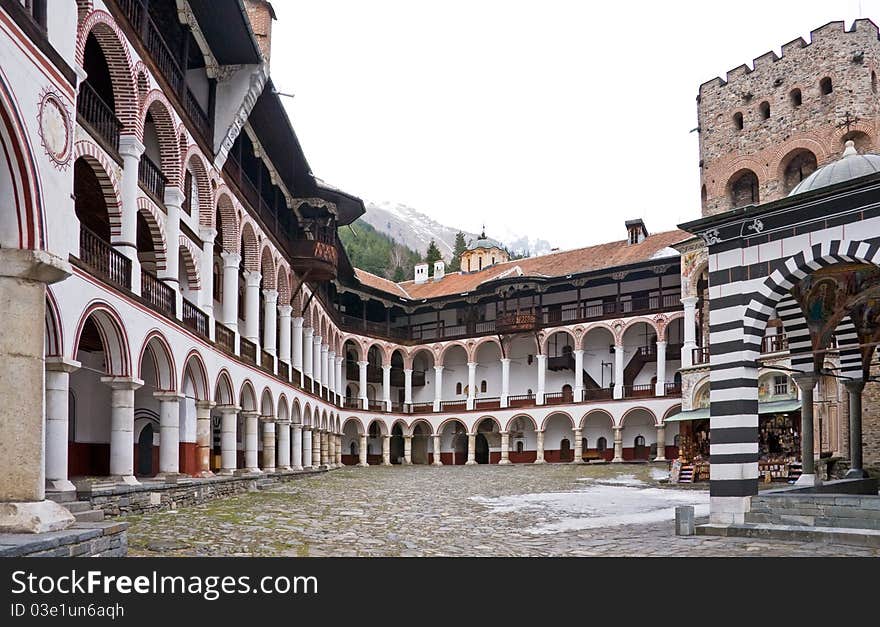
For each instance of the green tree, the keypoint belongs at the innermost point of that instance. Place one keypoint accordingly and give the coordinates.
(399, 275)
(375, 252)
(432, 255)
(460, 247)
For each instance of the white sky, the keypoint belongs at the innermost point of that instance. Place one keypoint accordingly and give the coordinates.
(559, 119)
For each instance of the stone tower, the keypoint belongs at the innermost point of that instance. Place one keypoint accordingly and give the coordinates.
(765, 128)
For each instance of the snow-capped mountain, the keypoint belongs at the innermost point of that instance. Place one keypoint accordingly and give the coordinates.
(415, 230)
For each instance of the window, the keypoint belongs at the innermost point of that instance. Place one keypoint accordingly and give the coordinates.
(483, 387)
(493, 261)
(744, 189)
(601, 444)
(796, 98)
(873, 82)
(480, 260)
(764, 107)
(187, 192)
(519, 446)
(738, 121)
(639, 441)
(780, 385)
(825, 86)
(71, 416)
(458, 388)
(218, 281)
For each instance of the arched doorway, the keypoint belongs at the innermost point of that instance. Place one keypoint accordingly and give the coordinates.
(482, 449)
(145, 463)
(421, 436)
(396, 445)
(566, 454)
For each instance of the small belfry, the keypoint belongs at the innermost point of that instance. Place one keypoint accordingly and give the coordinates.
(482, 253)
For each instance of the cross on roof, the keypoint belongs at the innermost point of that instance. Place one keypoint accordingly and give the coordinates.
(848, 121)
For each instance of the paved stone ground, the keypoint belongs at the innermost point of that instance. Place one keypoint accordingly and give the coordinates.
(551, 510)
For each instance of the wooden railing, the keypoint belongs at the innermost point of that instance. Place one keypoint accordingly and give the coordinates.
(638, 391)
(453, 405)
(520, 400)
(283, 370)
(195, 319)
(105, 261)
(225, 337)
(516, 321)
(672, 389)
(267, 361)
(376, 405)
(152, 179)
(421, 408)
(701, 355)
(490, 402)
(352, 403)
(197, 115)
(774, 343)
(98, 115)
(158, 294)
(598, 394)
(248, 350)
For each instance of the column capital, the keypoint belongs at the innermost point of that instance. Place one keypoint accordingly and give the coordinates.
(165, 395)
(386, 367)
(252, 278)
(854, 385)
(174, 197)
(251, 413)
(407, 437)
(228, 408)
(270, 295)
(267, 419)
(659, 342)
(578, 350)
(294, 425)
(122, 383)
(578, 430)
(62, 364)
(131, 146)
(284, 311)
(472, 364)
(325, 349)
(205, 404)
(689, 301)
(363, 363)
(806, 380)
(316, 339)
(505, 360)
(438, 368)
(297, 321)
(339, 360)
(308, 331)
(207, 233)
(230, 260)
(541, 357)
(504, 432)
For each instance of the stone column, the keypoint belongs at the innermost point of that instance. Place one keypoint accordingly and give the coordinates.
(130, 149)
(169, 433)
(298, 442)
(578, 375)
(306, 450)
(203, 438)
(472, 450)
(806, 382)
(251, 439)
(661, 443)
(325, 448)
(407, 386)
(270, 321)
(618, 444)
(539, 459)
(282, 430)
(338, 450)
(307, 351)
(386, 386)
(362, 384)
(173, 202)
(58, 372)
(854, 390)
(326, 378)
(690, 331)
(472, 385)
(228, 439)
(578, 447)
(340, 380)
(331, 375)
(229, 312)
(316, 447)
(386, 450)
(407, 450)
(284, 333)
(122, 427)
(331, 449)
(542, 377)
(438, 387)
(297, 341)
(505, 381)
(317, 374)
(505, 448)
(362, 450)
(269, 443)
(618, 371)
(23, 278)
(660, 387)
(437, 461)
(206, 264)
(252, 309)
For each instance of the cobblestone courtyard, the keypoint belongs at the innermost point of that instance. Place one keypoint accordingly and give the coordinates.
(551, 510)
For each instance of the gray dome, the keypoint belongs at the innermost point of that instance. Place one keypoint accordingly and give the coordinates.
(850, 166)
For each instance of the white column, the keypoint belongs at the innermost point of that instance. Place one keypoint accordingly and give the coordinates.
(362, 374)
(386, 450)
(297, 436)
(578, 375)
(437, 461)
(407, 386)
(331, 373)
(542, 377)
(539, 459)
(206, 264)
(228, 439)
(57, 411)
(317, 373)
(270, 320)
(204, 437)
(407, 449)
(472, 384)
(505, 380)
(252, 309)
(268, 443)
(618, 444)
(325, 363)
(578, 447)
(169, 432)
(122, 427)
(251, 435)
(661, 443)
(297, 341)
(438, 387)
(173, 202)
(306, 450)
(690, 330)
(284, 333)
(362, 450)
(386, 386)
(340, 379)
(282, 430)
(229, 313)
(130, 149)
(505, 448)
(660, 387)
(472, 450)
(618, 371)
(307, 351)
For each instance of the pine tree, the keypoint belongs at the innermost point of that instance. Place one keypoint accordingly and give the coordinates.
(460, 247)
(432, 255)
(399, 275)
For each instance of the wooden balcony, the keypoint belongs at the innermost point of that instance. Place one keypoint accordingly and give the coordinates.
(317, 257)
(248, 350)
(521, 400)
(98, 115)
(152, 180)
(516, 322)
(641, 390)
(421, 408)
(158, 294)
(225, 338)
(267, 361)
(283, 370)
(103, 260)
(195, 319)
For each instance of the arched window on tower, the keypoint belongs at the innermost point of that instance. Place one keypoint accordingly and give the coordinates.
(743, 188)
(800, 165)
(796, 98)
(873, 82)
(738, 121)
(825, 86)
(483, 386)
(764, 107)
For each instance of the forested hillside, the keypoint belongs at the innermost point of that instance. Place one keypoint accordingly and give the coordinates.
(375, 252)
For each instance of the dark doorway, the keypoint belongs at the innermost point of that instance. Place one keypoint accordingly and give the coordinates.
(145, 452)
(396, 445)
(482, 449)
(565, 452)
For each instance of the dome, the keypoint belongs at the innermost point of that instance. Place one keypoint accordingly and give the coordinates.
(850, 166)
(483, 242)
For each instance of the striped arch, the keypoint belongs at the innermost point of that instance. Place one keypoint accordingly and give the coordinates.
(267, 267)
(800, 344)
(152, 215)
(791, 149)
(113, 337)
(850, 352)
(224, 392)
(54, 335)
(142, 81)
(283, 287)
(105, 171)
(83, 8)
(190, 253)
(163, 359)
(228, 230)
(113, 44)
(195, 372)
(194, 160)
(250, 248)
(157, 106)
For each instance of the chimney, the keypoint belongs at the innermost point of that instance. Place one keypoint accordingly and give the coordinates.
(260, 13)
(636, 231)
(421, 273)
(439, 270)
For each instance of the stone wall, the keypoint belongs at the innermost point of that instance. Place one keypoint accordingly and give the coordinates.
(871, 424)
(95, 539)
(766, 146)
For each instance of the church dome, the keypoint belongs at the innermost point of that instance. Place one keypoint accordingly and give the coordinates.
(850, 166)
